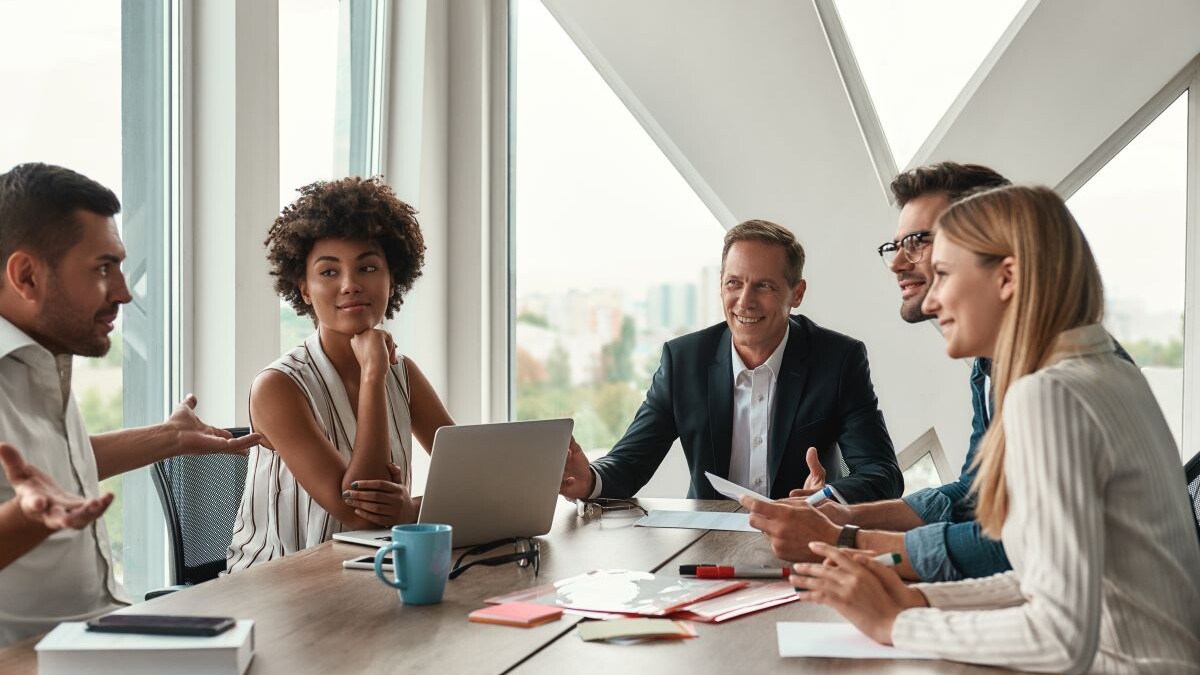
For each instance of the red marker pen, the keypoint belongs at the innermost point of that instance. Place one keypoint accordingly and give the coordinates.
(732, 572)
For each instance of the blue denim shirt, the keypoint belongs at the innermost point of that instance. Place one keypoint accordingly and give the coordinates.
(952, 546)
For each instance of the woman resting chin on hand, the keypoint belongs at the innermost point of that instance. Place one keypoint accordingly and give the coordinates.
(338, 412)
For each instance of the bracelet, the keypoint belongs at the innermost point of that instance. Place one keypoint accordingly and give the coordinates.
(848, 537)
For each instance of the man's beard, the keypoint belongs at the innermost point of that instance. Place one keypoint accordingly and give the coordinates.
(910, 310)
(70, 330)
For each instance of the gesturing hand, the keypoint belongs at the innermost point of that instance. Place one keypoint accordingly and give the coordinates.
(578, 481)
(383, 502)
(194, 437)
(790, 526)
(42, 501)
(816, 475)
(869, 594)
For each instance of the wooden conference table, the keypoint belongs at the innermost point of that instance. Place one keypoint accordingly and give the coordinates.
(312, 616)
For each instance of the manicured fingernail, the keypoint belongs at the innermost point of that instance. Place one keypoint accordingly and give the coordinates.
(354, 485)
(345, 494)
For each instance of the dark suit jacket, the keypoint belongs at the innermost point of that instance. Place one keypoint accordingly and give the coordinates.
(823, 398)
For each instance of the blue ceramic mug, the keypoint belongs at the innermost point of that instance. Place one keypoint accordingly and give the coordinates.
(420, 560)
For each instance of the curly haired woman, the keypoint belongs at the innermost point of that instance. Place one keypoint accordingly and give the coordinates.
(338, 412)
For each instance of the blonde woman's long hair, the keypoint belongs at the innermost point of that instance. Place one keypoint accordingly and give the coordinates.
(1057, 287)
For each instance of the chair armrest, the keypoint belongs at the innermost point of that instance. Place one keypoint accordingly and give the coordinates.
(150, 595)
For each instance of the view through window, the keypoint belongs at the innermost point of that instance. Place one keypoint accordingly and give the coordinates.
(916, 57)
(1134, 212)
(308, 95)
(64, 107)
(614, 253)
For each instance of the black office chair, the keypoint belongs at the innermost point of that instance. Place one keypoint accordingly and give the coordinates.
(200, 497)
(1192, 471)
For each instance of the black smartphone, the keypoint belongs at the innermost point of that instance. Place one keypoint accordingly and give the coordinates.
(149, 624)
(367, 562)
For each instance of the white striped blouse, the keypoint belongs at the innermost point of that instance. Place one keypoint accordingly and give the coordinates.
(1104, 552)
(277, 515)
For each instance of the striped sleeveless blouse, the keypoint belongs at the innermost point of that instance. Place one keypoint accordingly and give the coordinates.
(277, 516)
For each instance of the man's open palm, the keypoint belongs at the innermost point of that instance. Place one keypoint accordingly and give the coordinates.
(42, 501)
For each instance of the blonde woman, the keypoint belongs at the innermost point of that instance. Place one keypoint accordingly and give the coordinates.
(1081, 480)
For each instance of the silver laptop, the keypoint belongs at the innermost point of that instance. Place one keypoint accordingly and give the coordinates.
(490, 481)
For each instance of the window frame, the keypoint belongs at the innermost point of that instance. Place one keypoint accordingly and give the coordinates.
(151, 229)
(1187, 80)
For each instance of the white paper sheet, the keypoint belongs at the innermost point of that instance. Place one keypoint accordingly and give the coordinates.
(834, 640)
(733, 490)
(698, 520)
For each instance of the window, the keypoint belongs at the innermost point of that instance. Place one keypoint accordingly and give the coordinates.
(1134, 213)
(308, 74)
(916, 57)
(613, 252)
(100, 100)
(330, 104)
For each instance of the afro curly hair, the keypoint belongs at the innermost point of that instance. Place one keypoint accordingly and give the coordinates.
(349, 208)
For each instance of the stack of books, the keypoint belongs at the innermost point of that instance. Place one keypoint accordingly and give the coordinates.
(70, 649)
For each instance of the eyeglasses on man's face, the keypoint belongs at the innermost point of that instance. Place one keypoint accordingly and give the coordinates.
(913, 245)
(526, 552)
(595, 508)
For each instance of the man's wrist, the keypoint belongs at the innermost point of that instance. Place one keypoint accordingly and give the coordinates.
(848, 537)
(853, 514)
(592, 480)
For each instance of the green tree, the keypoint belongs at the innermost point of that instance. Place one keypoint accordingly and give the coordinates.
(101, 413)
(533, 319)
(616, 357)
(558, 369)
(615, 403)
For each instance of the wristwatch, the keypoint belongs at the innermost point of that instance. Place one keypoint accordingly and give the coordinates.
(848, 537)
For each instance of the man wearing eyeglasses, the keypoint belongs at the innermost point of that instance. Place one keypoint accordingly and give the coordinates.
(758, 399)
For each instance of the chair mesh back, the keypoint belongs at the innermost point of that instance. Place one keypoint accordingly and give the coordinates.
(1194, 491)
(1192, 472)
(206, 491)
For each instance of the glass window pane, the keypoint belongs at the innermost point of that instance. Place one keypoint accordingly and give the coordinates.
(64, 107)
(1134, 212)
(308, 98)
(590, 327)
(916, 57)
(922, 474)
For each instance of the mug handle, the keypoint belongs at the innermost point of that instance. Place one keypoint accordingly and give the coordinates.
(396, 566)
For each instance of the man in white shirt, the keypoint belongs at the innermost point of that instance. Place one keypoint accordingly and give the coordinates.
(756, 399)
(61, 287)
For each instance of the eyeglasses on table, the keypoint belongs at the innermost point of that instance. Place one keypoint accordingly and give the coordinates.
(526, 552)
(596, 508)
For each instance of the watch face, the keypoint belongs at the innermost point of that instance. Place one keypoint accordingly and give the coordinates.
(848, 538)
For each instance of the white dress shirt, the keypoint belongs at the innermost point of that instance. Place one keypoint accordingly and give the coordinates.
(1102, 546)
(69, 576)
(753, 410)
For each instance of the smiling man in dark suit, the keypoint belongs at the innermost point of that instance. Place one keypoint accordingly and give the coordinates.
(758, 399)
